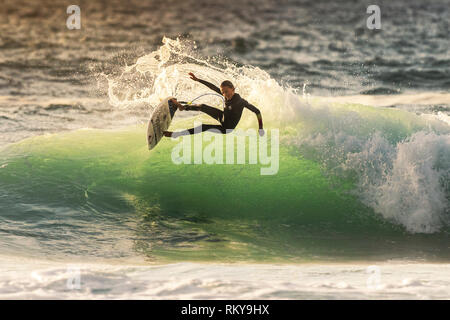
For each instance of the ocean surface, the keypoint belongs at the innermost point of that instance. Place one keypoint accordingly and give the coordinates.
(360, 205)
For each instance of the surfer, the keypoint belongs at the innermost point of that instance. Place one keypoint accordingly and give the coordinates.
(228, 118)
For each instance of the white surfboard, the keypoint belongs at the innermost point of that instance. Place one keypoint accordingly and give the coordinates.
(158, 123)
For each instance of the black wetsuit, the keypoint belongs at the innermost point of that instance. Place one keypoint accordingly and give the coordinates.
(228, 118)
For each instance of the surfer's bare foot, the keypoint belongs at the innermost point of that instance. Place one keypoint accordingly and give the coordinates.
(167, 133)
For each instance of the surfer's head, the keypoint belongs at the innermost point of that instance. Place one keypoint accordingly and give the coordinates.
(227, 89)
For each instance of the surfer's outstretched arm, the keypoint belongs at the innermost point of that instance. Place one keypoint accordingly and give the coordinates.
(206, 83)
(258, 115)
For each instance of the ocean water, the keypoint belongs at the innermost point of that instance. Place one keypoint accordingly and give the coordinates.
(360, 204)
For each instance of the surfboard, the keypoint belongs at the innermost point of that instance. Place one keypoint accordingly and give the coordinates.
(158, 123)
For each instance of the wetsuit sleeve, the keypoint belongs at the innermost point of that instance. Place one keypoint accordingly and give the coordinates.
(210, 85)
(252, 108)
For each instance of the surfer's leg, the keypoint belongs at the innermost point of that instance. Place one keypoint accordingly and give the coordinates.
(212, 112)
(206, 127)
(216, 128)
(201, 128)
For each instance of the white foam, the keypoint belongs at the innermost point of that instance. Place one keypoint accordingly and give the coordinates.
(33, 279)
(413, 191)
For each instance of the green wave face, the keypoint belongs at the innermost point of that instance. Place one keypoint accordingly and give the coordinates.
(102, 193)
